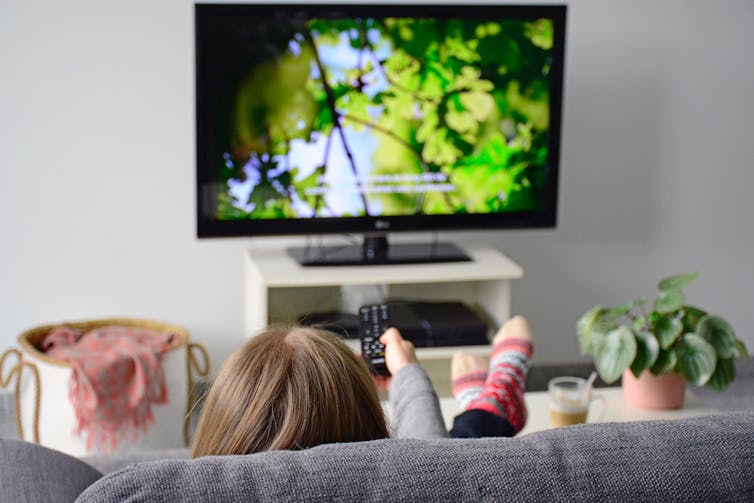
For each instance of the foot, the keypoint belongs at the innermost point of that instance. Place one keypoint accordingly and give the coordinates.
(464, 363)
(503, 392)
(516, 327)
(468, 374)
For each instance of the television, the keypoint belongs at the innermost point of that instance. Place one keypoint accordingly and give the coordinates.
(377, 118)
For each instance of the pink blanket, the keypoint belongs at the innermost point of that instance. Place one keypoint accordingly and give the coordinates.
(116, 376)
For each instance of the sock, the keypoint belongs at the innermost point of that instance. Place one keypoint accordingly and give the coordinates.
(503, 393)
(467, 387)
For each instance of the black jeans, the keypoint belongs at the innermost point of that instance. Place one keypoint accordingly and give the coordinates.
(477, 423)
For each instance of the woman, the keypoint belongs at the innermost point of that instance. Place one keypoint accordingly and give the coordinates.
(295, 388)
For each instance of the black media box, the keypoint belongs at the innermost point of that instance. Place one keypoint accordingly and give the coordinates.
(430, 324)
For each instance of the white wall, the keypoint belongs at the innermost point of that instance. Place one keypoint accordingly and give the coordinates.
(97, 169)
(658, 170)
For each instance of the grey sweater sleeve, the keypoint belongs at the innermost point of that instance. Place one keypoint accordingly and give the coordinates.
(414, 405)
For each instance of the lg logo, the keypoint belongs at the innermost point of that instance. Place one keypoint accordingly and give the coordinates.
(381, 224)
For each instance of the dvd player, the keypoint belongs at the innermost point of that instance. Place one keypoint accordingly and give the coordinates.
(426, 324)
(431, 324)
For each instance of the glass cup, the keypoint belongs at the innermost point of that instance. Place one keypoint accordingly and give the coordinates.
(569, 400)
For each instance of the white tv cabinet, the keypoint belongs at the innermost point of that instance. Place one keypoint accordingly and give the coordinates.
(279, 290)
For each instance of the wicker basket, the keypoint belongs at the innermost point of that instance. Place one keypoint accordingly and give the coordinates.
(45, 415)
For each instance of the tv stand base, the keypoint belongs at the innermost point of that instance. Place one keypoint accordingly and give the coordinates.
(375, 251)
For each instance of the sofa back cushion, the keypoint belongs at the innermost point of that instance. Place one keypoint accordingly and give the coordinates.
(700, 459)
(108, 463)
(31, 473)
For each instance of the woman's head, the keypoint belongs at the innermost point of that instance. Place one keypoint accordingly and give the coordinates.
(289, 388)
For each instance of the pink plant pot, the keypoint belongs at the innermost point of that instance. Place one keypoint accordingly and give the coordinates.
(654, 392)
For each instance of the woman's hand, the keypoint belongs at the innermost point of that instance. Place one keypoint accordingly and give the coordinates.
(398, 351)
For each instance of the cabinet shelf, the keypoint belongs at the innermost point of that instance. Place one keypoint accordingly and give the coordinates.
(279, 290)
(436, 353)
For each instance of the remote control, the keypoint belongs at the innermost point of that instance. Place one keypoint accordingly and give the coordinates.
(373, 321)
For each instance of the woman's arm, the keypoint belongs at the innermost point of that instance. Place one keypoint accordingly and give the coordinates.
(413, 401)
(414, 405)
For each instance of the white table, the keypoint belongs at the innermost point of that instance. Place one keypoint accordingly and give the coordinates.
(610, 408)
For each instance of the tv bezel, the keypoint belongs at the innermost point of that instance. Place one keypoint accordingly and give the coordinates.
(208, 227)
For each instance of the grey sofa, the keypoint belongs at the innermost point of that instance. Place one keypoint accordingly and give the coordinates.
(698, 459)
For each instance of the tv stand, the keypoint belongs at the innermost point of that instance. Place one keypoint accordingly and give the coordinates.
(279, 290)
(375, 250)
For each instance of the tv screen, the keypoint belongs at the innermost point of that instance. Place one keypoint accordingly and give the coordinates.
(356, 118)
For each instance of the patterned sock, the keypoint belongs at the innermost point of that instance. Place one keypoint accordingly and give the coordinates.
(468, 387)
(503, 393)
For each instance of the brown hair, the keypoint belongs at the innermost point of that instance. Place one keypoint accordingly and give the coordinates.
(289, 388)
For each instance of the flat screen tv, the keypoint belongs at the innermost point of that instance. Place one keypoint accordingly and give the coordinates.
(375, 118)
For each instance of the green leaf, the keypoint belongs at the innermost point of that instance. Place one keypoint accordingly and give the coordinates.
(478, 103)
(667, 330)
(669, 301)
(719, 333)
(612, 314)
(303, 185)
(598, 339)
(696, 359)
(677, 282)
(725, 373)
(284, 179)
(691, 317)
(262, 194)
(639, 323)
(324, 118)
(647, 350)
(637, 303)
(741, 349)
(665, 362)
(540, 32)
(615, 354)
(615, 312)
(461, 121)
(584, 329)
(439, 148)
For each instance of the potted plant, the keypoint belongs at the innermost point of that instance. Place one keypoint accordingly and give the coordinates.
(673, 342)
